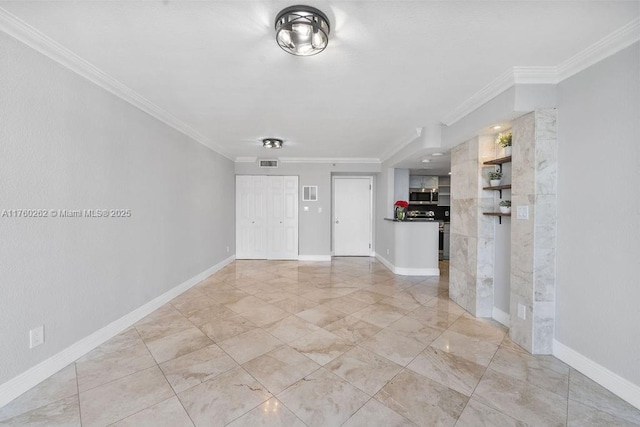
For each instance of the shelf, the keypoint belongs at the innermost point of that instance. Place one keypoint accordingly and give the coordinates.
(498, 214)
(498, 188)
(498, 161)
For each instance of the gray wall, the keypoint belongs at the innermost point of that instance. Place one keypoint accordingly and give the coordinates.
(502, 265)
(383, 208)
(68, 144)
(314, 227)
(598, 242)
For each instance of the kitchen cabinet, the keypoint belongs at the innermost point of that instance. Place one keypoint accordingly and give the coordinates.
(444, 191)
(266, 217)
(420, 181)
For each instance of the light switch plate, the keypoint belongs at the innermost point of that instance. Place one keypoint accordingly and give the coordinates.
(522, 212)
(522, 311)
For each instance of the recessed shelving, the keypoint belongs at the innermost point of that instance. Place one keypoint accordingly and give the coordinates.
(498, 162)
(498, 214)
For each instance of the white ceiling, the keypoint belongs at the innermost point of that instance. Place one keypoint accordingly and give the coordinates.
(390, 67)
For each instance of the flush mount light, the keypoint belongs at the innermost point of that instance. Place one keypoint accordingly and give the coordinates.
(496, 127)
(302, 30)
(425, 160)
(437, 154)
(272, 143)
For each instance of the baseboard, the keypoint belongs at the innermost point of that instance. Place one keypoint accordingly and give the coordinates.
(314, 257)
(416, 271)
(401, 271)
(43, 370)
(384, 261)
(501, 317)
(613, 382)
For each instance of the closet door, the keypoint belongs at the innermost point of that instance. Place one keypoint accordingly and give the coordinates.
(282, 217)
(275, 217)
(266, 217)
(251, 230)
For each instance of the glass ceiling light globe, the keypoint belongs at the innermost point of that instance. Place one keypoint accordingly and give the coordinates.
(272, 143)
(302, 30)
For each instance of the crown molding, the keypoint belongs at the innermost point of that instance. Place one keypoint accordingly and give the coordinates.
(535, 75)
(501, 83)
(361, 160)
(609, 45)
(36, 40)
(402, 143)
(623, 37)
(311, 160)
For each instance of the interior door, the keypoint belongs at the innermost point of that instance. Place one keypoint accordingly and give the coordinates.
(266, 217)
(275, 216)
(251, 217)
(352, 232)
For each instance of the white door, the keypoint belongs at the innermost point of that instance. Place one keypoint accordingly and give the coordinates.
(290, 218)
(251, 202)
(266, 217)
(352, 231)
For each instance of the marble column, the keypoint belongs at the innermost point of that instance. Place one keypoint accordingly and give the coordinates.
(533, 253)
(471, 263)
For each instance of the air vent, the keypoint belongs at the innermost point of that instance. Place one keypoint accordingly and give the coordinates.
(268, 163)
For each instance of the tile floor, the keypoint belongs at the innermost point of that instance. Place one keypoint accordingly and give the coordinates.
(317, 344)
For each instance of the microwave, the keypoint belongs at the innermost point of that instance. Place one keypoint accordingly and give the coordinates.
(423, 196)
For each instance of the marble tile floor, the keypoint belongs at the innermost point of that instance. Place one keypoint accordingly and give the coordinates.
(291, 343)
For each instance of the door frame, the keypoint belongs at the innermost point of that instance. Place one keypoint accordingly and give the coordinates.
(333, 209)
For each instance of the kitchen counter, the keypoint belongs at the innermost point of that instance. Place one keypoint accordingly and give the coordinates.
(411, 247)
(414, 220)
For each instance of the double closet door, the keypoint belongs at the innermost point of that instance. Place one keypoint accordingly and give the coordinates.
(266, 217)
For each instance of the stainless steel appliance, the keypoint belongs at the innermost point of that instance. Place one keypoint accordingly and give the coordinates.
(421, 215)
(423, 196)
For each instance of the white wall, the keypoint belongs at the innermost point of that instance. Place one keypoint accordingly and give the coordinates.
(67, 144)
(314, 227)
(598, 284)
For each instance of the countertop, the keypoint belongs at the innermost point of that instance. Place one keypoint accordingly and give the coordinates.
(414, 220)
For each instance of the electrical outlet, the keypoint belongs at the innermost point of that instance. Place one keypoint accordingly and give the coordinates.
(387, 251)
(319, 210)
(36, 336)
(522, 311)
(227, 249)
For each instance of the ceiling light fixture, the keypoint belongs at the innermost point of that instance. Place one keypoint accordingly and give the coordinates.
(496, 127)
(437, 154)
(272, 143)
(302, 30)
(425, 160)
